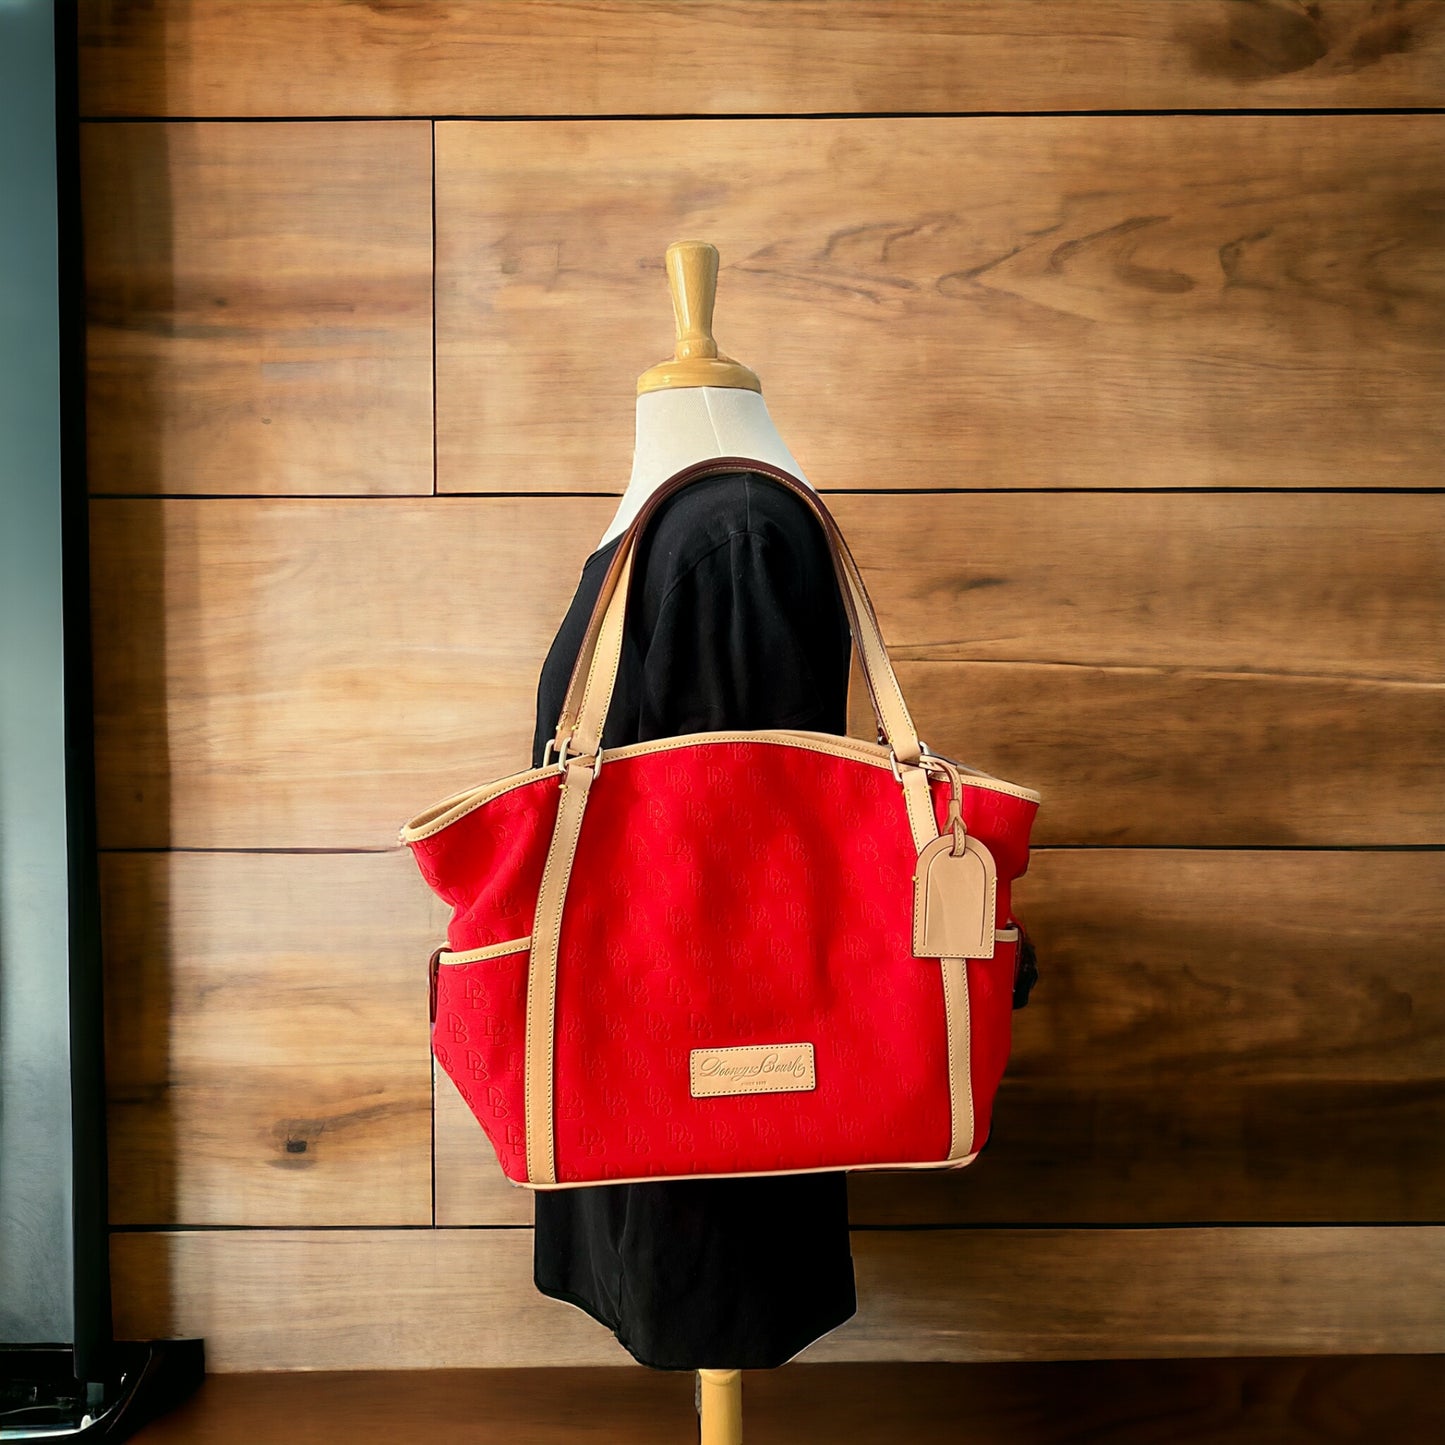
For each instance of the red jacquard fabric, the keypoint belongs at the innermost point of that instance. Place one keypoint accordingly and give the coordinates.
(723, 893)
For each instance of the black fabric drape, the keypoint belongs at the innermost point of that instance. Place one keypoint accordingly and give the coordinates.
(734, 620)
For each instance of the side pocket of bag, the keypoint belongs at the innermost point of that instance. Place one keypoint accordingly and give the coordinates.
(478, 1035)
(1026, 970)
(990, 1004)
(997, 986)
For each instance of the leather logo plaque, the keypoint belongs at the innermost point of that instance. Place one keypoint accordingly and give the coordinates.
(751, 1069)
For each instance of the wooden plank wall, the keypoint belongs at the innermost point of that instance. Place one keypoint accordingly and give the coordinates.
(1111, 332)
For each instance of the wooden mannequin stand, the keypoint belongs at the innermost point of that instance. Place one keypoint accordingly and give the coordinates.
(692, 268)
(720, 1406)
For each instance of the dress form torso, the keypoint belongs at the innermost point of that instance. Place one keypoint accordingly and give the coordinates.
(678, 427)
(734, 619)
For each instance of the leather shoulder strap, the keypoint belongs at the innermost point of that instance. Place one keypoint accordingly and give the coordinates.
(594, 674)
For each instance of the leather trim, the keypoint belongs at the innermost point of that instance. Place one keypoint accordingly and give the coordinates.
(490, 950)
(839, 745)
(437, 816)
(955, 979)
(960, 1089)
(542, 974)
(981, 926)
(594, 672)
(754, 1173)
(750, 1069)
(581, 723)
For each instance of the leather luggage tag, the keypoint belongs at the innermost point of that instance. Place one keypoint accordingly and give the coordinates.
(954, 898)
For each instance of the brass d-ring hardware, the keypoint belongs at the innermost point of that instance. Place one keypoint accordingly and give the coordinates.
(562, 757)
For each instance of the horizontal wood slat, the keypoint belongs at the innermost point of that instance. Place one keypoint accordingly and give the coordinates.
(294, 673)
(1323, 1400)
(1099, 301)
(1216, 1036)
(1134, 420)
(1282, 584)
(470, 1187)
(1067, 1153)
(326, 57)
(1147, 1293)
(259, 306)
(1131, 757)
(267, 1051)
(1189, 968)
(312, 673)
(440, 1299)
(1274, 1058)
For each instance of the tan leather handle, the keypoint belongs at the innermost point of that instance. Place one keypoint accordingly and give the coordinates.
(594, 674)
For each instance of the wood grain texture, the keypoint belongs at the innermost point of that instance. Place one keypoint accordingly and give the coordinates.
(464, 1298)
(982, 302)
(1361, 1400)
(228, 58)
(267, 1050)
(1134, 757)
(1285, 584)
(1149, 1293)
(258, 303)
(314, 673)
(1278, 1057)
(1086, 1152)
(296, 673)
(1219, 1132)
(469, 1186)
(1215, 1036)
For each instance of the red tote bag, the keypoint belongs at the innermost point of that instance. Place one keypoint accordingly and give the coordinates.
(726, 953)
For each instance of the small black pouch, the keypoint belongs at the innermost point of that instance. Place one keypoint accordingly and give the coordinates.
(1026, 969)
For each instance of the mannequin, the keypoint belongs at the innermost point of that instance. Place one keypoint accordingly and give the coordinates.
(694, 406)
(680, 425)
(701, 404)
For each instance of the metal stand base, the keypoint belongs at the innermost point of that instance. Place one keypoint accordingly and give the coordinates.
(40, 1398)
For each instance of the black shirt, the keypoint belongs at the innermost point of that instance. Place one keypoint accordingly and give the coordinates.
(734, 620)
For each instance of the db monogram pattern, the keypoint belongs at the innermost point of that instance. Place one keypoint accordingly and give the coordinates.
(746, 895)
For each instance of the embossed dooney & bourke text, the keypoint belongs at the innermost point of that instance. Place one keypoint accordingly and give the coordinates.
(751, 1069)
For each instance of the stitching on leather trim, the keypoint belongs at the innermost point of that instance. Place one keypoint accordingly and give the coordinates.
(730, 1093)
(748, 1048)
(533, 1005)
(892, 678)
(574, 831)
(539, 1050)
(539, 1083)
(614, 659)
(863, 616)
(418, 829)
(487, 950)
(429, 821)
(918, 805)
(952, 1060)
(750, 1173)
(809, 1087)
(917, 914)
(966, 1074)
(852, 565)
(532, 1104)
(918, 796)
